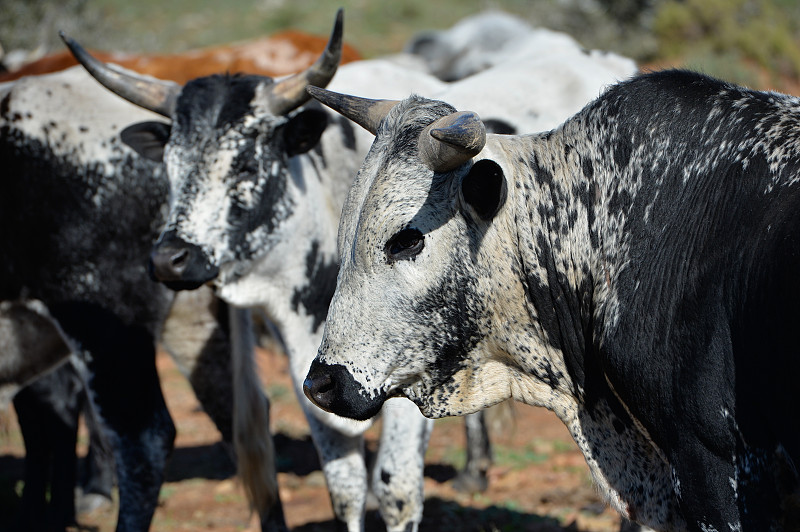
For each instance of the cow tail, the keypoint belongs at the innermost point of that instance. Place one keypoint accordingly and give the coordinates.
(255, 451)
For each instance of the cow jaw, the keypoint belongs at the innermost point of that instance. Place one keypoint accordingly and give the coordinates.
(467, 392)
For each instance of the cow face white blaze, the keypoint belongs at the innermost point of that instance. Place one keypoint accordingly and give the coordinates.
(416, 304)
(227, 157)
(231, 188)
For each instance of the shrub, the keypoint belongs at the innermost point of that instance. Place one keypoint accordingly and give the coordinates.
(757, 30)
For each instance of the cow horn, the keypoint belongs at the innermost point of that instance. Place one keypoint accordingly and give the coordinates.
(365, 112)
(153, 94)
(451, 141)
(290, 93)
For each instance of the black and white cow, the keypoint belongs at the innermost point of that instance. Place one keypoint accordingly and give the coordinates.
(79, 212)
(634, 270)
(257, 184)
(257, 193)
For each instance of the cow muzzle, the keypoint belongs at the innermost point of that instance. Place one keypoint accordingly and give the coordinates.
(333, 389)
(180, 265)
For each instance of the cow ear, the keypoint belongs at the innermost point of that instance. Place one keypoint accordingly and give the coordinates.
(147, 139)
(484, 189)
(304, 130)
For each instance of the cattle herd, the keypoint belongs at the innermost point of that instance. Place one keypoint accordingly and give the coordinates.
(493, 213)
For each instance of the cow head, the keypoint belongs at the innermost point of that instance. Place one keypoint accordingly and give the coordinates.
(228, 154)
(420, 298)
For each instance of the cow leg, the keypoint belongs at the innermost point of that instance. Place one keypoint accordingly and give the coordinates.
(473, 477)
(96, 476)
(126, 394)
(65, 465)
(196, 334)
(703, 480)
(397, 479)
(255, 450)
(48, 411)
(38, 460)
(345, 471)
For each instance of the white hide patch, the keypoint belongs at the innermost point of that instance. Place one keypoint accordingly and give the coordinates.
(87, 115)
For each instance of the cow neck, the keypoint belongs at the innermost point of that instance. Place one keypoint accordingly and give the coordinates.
(553, 212)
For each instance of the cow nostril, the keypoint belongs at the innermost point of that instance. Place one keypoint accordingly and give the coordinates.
(179, 260)
(180, 265)
(319, 390)
(169, 264)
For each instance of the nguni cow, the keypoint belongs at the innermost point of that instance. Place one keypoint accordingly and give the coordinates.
(255, 202)
(79, 212)
(196, 341)
(279, 54)
(192, 332)
(491, 38)
(256, 215)
(633, 270)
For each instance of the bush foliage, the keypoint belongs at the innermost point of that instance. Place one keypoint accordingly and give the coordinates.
(718, 32)
(732, 39)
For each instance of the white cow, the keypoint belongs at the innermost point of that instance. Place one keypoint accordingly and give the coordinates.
(491, 38)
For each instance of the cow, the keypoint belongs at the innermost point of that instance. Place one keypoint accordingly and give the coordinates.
(633, 270)
(492, 37)
(279, 54)
(79, 212)
(195, 337)
(257, 219)
(257, 182)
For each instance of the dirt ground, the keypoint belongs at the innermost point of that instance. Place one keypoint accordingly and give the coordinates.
(539, 482)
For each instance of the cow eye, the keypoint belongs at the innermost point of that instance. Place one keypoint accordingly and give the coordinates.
(404, 245)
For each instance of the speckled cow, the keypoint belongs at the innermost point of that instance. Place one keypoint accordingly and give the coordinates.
(257, 182)
(79, 211)
(633, 270)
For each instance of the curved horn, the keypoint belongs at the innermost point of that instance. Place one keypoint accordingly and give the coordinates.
(152, 94)
(365, 112)
(451, 141)
(290, 93)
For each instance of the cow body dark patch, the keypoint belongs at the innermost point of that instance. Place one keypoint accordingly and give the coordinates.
(77, 248)
(315, 295)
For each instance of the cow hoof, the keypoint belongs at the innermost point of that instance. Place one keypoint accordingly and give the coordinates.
(469, 483)
(86, 503)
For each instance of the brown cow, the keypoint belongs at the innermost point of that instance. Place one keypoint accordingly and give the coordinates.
(284, 53)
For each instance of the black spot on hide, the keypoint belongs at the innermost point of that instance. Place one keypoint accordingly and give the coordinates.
(90, 233)
(542, 174)
(588, 168)
(316, 294)
(5, 105)
(457, 307)
(218, 101)
(499, 127)
(621, 201)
